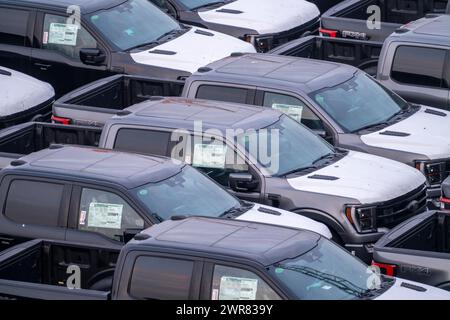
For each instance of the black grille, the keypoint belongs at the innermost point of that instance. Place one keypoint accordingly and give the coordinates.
(293, 34)
(391, 213)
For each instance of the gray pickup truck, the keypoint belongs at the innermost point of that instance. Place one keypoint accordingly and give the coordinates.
(418, 249)
(356, 18)
(339, 102)
(199, 259)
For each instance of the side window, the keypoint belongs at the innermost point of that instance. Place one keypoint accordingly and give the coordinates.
(67, 39)
(106, 213)
(142, 141)
(215, 159)
(34, 202)
(219, 93)
(410, 67)
(13, 26)
(161, 278)
(238, 284)
(294, 108)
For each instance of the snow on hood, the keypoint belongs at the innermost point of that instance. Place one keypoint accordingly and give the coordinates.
(364, 177)
(398, 292)
(193, 51)
(286, 219)
(264, 16)
(429, 135)
(19, 92)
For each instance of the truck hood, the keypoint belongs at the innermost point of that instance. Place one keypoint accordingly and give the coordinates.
(363, 177)
(263, 16)
(428, 135)
(192, 50)
(20, 92)
(399, 292)
(285, 219)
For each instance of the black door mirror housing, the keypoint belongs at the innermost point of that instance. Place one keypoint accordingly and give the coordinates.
(92, 56)
(129, 234)
(242, 182)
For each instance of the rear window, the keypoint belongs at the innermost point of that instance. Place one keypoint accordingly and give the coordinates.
(161, 278)
(142, 141)
(219, 93)
(13, 26)
(34, 202)
(411, 67)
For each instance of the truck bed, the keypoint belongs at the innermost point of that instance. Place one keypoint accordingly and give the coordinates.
(358, 53)
(30, 137)
(349, 18)
(418, 249)
(37, 269)
(94, 103)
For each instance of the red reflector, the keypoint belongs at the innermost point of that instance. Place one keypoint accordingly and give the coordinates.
(444, 200)
(60, 120)
(388, 269)
(328, 33)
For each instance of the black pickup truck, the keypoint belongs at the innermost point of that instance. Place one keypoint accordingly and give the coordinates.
(357, 19)
(418, 249)
(199, 259)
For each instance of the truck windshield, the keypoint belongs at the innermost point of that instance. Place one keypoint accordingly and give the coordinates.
(359, 103)
(134, 24)
(285, 147)
(327, 272)
(185, 194)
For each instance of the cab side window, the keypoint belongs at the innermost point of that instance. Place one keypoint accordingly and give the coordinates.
(293, 107)
(142, 141)
(231, 283)
(13, 26)
(221, 93)
(106, 213)
(34, 202)
(65, 38)
(155, 278)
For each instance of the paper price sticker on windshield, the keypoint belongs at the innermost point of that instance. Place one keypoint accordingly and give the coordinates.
(209, 156)
(105, 215)
(293, 111)
(62, 33)
(234, 288)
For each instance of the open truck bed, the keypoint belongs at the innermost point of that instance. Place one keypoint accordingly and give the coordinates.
(94, 103)
(349, 19)
(418, 249)
(39, 269)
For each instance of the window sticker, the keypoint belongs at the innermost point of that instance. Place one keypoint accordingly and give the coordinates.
(234, 288)
(82, 221)
(63, 33)
(209, 156)
(293, 111)
(105, 215)
(215, 294)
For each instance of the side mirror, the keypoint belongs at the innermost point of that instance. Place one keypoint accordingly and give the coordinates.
(242, 182)
(129, 234)
(92, 56)
(321, 133)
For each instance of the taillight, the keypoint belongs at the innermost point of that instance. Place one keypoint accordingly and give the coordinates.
(328, 33)
(59, 120)
(445, 203)
(387, 269)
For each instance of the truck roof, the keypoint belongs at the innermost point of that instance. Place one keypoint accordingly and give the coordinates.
(276, 71)
(126, 169)
(262, 243)
(86, 6)
(428, 30)
(184, 113)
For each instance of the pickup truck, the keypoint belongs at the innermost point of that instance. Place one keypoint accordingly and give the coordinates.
(344, 105)
(375, 20)
(418, 249)
(200, 259)
(98, 196)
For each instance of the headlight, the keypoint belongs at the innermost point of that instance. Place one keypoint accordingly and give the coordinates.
(363, 218)
(435, 172)
(261, 43)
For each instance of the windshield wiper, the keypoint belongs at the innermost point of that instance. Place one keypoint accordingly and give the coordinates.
(207, 5)
(326, 156)
(373, 125)
(147, 44)
(312, 167)
(235, 211)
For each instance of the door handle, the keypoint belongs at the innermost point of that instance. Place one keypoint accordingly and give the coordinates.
(43, 66)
